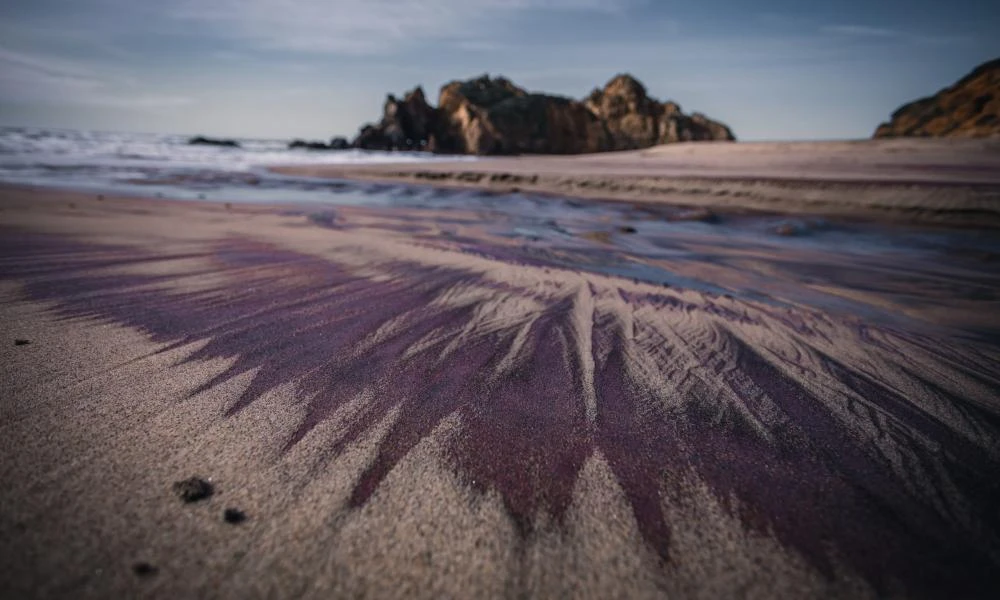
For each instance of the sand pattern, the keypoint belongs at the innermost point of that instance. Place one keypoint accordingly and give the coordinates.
(859, 446)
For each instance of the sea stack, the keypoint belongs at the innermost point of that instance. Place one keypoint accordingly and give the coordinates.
(493, 116)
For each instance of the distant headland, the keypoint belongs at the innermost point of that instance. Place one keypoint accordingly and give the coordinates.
(969, 108)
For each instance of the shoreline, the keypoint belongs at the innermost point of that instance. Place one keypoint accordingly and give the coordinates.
(931, 182)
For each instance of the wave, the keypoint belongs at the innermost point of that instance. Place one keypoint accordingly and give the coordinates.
(45, 151)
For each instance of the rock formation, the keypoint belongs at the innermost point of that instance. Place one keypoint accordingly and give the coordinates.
(494, 116)
(337, 143)
(207, 141)
(969, 108)
(407, 124)
(634, 120)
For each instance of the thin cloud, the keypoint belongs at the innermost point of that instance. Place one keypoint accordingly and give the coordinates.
(228, 55)
(479, 45)
(861, 31)
(26, 77)
(148, 102)
(866, 31)
(370, 27)
(51, 67)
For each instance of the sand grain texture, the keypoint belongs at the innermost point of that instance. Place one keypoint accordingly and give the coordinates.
(402, 416)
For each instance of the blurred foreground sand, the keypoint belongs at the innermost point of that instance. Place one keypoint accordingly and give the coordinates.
(399, 418)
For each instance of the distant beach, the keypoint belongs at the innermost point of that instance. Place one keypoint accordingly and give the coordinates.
(931, 181)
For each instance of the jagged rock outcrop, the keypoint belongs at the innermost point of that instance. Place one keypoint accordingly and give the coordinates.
(634, 120)
(337, 143)
(493, 116)
(207, 141)
(969, 108)
(407, 124)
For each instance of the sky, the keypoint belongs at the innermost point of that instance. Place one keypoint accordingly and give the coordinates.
(771, 69)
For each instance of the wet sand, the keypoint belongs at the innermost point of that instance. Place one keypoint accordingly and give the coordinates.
(415, 403)
(933, 181)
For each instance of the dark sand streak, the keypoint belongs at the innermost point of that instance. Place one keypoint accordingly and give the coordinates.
(670, 401)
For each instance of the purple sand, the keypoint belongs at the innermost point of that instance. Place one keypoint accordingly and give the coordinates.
(811, 483)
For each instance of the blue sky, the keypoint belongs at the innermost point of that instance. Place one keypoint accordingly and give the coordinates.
(772, 69)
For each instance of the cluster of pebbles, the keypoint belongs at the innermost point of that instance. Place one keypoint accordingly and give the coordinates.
(190, 491)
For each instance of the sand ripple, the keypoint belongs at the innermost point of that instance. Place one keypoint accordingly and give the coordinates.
(877, 446)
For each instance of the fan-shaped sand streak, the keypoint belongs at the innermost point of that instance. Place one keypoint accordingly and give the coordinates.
(841, 440)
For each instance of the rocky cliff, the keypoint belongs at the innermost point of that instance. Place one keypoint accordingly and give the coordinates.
(494, 116)
(634, 120)
(407, 124)
(969, 108)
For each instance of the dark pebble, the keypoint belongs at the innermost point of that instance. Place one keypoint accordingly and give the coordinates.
(21, 342)
(234, 516)
(193, 489)
(702, 215)
(144, 569)
(786, 229)
(626, 229)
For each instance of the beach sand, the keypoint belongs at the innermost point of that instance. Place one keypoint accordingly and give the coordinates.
(939, 181)
(402, 410)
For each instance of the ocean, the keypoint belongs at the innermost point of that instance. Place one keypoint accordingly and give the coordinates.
(144, 164)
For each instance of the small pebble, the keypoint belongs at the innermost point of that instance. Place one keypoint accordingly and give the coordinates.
(703, 215)
(786, 229)
(144, 569)
(21, 342)
(193, 489)
(234, 516)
